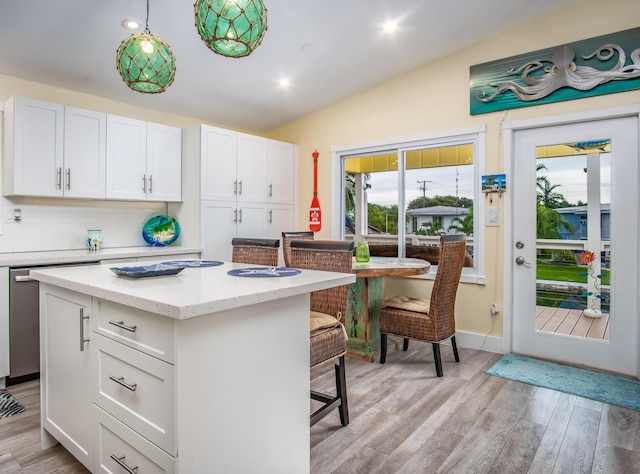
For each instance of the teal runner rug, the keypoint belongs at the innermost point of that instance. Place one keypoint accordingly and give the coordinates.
(605, 388)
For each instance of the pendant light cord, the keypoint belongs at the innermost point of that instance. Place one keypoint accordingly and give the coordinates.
(146, 23)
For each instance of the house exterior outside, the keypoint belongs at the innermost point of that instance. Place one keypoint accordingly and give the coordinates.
(577, 217)
(443, 215)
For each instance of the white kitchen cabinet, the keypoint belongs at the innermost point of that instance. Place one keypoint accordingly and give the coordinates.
(281, 172)
(251, 165)
(224, 220)
(144, 160)
(53, 151)
(216, 150)
(66, 380)
(85, 151)
(33, 147)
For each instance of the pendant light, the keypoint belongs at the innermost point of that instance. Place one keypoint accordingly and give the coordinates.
(232, 28)
(145, 62)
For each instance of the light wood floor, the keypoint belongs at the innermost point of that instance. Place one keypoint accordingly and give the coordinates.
(406, 420)
(572, 322)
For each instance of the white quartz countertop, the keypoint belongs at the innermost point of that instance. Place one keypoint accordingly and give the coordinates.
(55, 257)
(192, 292)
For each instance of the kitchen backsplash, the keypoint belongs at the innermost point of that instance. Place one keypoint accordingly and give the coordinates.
(62, 225)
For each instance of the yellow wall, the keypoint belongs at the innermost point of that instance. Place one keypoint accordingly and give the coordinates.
(436, 98)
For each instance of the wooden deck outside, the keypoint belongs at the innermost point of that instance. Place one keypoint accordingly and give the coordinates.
(572, 322)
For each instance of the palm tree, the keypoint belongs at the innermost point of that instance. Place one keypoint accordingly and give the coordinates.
(463, 225)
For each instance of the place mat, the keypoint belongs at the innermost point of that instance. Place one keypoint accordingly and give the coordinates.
(264, 272)
(192, 263)
(146, 271)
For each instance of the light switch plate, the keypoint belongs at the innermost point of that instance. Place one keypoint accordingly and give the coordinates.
(493, 217)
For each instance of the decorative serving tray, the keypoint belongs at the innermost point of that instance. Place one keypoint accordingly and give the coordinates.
(264, 272)
(161, 231)
(146, 271)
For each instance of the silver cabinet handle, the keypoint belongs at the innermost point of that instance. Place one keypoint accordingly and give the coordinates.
(235, 187)
(68, 178)
(144, 183)
(123, 465)
(82, 338)
(21, 278)
(240, 219)
(240, 187)
(150, 184)
(235, 216)
(270, 190)
(59, 178)
(271, 217)
(120, 380)
(121, 325)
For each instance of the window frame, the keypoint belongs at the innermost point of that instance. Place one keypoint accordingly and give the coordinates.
(401, 145)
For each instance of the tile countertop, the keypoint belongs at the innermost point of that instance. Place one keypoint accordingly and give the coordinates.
(192, 292)
(55, 257)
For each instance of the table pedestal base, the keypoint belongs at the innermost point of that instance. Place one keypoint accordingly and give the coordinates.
(366, 296)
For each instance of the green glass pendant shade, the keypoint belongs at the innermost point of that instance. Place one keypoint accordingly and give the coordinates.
(146, 63)
(232, 28)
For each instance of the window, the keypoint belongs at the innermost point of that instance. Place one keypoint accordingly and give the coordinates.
(401, 195)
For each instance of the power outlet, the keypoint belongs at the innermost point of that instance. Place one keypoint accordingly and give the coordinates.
(495, 309)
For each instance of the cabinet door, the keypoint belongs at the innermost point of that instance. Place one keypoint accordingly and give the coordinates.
(85, 134)
(280, 219)
(65, 371)
(218, 164)
(252, 220)
(218, 224)
(280, 172)
(33, 147)
(126, 158)
(252, 168)
(164, 163)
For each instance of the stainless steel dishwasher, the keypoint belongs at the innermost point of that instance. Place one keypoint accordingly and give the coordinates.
(24, 326)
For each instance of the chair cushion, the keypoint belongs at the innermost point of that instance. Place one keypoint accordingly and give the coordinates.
(408, 304)
(322, 321)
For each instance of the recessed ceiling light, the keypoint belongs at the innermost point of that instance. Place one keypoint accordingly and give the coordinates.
(390, 26)
(131, 24)
(284, 83)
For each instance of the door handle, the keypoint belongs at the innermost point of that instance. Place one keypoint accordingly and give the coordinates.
(521, 261)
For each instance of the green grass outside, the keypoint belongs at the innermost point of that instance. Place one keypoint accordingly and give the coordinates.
(566, 272)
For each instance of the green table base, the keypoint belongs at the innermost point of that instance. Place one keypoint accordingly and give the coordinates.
(366, 296)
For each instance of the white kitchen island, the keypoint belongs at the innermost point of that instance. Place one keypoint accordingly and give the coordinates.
(197, 372)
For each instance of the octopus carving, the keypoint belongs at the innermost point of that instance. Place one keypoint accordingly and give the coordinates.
(561, 71)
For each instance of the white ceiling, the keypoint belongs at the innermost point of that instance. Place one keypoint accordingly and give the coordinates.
(328, 49)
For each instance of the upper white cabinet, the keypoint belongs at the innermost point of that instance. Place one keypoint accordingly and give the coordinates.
(216, 150)
(144, 160)
(251, 165)
(52, 150)
(280, 172)
(85, 135)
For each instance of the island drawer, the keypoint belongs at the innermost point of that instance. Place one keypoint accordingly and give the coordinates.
(118, 445)
(147, 332)
(137, 389)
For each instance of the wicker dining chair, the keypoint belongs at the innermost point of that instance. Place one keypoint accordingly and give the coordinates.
(328, 337)
(428, 320)
(255, 251)
(287, 237)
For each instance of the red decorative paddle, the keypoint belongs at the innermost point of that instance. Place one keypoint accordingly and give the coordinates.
(315, 215)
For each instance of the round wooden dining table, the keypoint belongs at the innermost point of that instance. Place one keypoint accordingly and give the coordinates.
(366, 297)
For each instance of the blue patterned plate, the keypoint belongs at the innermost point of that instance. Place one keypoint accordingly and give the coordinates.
(146, 271)
(160, 231)
(264, 272)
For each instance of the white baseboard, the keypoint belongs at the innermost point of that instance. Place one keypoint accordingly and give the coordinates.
(479, 341)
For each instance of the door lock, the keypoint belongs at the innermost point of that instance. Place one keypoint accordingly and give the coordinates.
(519, 245)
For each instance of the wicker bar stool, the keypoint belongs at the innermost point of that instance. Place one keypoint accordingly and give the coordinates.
(428, 320)
(328, 337)
(255, 251)
(287, 237)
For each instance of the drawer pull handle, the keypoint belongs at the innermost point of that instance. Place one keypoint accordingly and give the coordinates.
(123, 465)
(82, 338)
(121, 325)
(121, 381)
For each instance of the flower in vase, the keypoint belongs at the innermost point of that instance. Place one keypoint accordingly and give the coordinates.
(587, 256)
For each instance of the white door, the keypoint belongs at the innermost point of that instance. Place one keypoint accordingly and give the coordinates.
(590, 183)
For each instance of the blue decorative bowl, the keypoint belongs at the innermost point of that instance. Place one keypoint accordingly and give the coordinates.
(160, 231)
